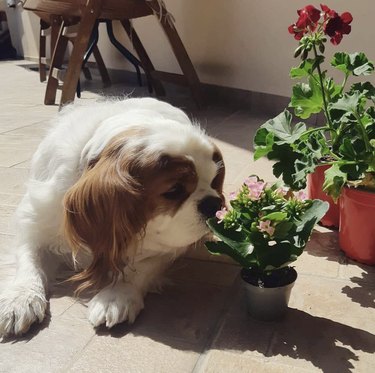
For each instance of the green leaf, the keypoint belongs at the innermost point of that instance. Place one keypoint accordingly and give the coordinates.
(283, 130)
(334, 181)
(348, 103)
(309, 218)
(219, 248)
(236, 240)
(355, 63)
(275, 216)
(282, 229)
(307, 99)
(366, 88)
(347, 150)
(304, 69)
(263, 142)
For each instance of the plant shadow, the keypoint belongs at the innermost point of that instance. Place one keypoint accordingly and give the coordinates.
(361, 289)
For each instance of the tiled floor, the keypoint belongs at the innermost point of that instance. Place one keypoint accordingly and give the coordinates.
(199, 323)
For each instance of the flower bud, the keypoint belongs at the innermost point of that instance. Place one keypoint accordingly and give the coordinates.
(321, 48)
(298, 51)
(304, 54)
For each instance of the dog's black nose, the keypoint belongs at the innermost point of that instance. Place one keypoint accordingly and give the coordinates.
(209, 205)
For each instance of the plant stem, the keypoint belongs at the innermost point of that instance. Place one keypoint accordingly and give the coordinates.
(315, 130)
(344, 83)
(323, 93)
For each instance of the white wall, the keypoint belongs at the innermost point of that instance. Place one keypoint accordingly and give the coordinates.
(240, 43)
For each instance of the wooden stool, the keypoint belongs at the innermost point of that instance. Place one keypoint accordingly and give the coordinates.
(89, 12)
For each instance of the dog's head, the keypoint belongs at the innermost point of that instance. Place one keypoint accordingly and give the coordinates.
(156, 184)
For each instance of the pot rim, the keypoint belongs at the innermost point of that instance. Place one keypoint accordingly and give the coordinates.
(292, 271)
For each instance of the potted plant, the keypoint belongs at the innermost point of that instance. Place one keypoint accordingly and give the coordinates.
(265, 230)
(341, 150)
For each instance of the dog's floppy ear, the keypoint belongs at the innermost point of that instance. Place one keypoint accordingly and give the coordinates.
(104, 211)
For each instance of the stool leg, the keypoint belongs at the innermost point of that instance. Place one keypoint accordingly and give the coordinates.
(181, 54)
(42, 51)
(147, 65)
(90, 14)
(56, 62)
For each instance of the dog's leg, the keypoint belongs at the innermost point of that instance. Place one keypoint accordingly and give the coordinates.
(24, 301)
(124, 300)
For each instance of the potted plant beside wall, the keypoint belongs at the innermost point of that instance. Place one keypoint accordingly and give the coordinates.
(265, 230)
(308, 151)
(345, 143)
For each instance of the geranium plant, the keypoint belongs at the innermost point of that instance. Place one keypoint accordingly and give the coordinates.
(346, 138)
(266, 228)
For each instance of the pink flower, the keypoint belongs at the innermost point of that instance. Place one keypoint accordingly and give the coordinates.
(221, 214)
(282, 191)
(265, 226)
(300, 195)
(255, 187)
(232, 196)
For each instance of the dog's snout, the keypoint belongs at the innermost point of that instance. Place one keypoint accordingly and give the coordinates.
(209, 205)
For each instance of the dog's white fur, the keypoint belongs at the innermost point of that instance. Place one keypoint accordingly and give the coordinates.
(78, 136)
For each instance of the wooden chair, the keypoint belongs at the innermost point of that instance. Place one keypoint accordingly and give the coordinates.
(50, 24)
(89, 13)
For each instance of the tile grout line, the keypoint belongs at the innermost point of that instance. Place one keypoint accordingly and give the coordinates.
(218, 326)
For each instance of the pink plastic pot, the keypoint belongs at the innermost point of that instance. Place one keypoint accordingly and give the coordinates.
(315, 191)
(357, 225)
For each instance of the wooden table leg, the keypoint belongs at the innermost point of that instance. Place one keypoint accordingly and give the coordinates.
(55, 65)
(180, 53)
(90, 13)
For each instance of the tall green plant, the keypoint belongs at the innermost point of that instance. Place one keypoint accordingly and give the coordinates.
(347, 138)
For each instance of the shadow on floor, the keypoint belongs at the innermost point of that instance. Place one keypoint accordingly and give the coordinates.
(326, 245)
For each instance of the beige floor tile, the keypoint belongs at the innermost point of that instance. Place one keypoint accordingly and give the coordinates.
(7, 219)
(32, 132)
(321, 256)
(10, 199)
(48, 347)
(11, 156)
(13, 180)
(135, 354)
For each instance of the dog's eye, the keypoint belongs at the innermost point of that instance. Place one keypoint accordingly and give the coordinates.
(174, 192)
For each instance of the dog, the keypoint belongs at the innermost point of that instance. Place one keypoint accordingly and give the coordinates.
(121, 188)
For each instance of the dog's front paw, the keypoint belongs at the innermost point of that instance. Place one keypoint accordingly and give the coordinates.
(114, 305)
(20, 307)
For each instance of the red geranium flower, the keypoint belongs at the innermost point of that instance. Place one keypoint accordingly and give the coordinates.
(337, 26)
(308, 18)
(327, 12)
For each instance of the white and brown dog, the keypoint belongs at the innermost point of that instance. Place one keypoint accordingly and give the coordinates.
(127, 184)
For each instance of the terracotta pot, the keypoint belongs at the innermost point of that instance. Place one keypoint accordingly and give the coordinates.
(357, 225)
(315, 191)
(268, 303)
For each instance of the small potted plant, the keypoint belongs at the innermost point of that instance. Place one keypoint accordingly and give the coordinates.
(340, 150)
(265, 230)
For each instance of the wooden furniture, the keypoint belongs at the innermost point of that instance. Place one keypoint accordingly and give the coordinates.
(50, 24)
(89, 13)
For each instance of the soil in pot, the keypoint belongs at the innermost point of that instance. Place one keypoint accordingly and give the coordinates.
(357, 225)
(315, 191)
(268, 295)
